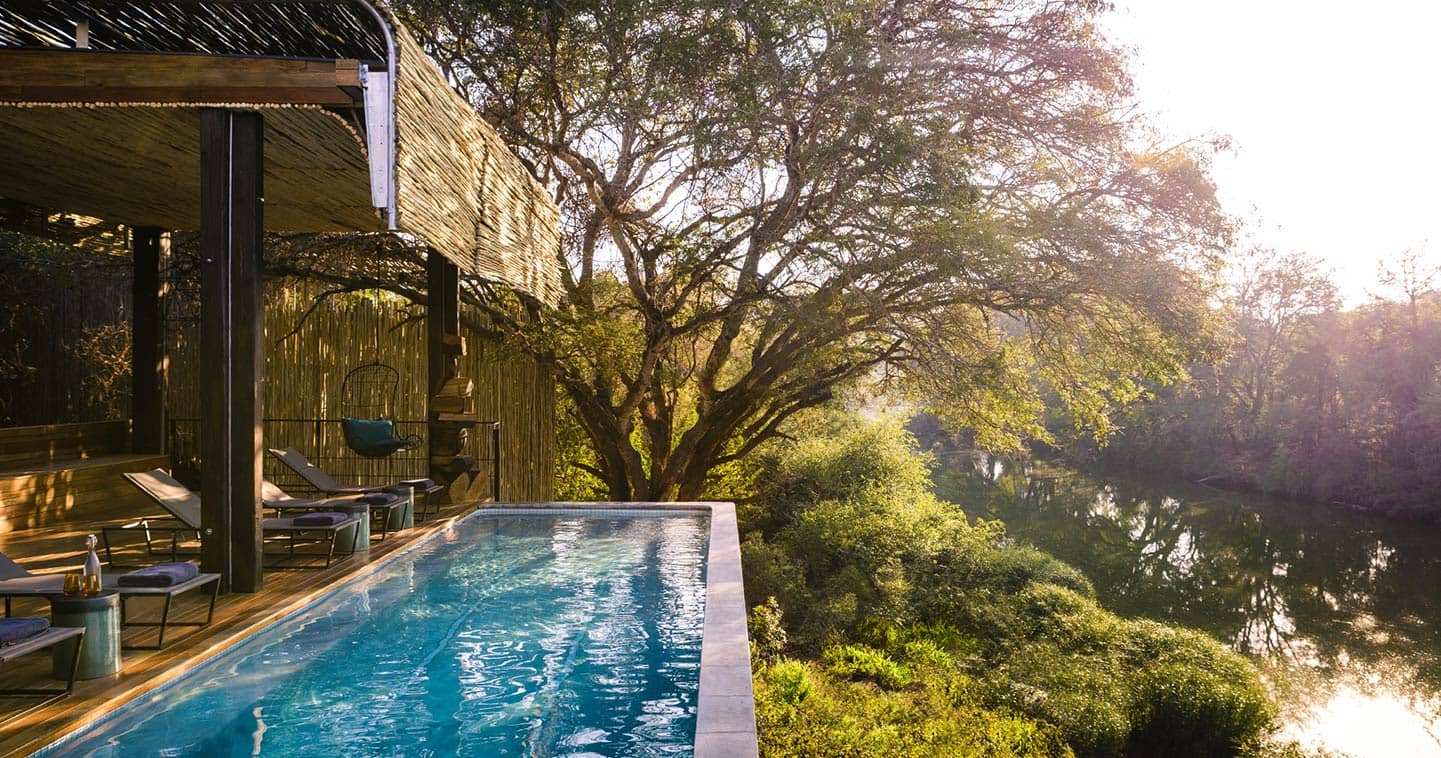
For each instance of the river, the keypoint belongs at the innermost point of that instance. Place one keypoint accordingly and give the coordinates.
(1341, 611)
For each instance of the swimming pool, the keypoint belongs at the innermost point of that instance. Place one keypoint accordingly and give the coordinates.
(509, 634)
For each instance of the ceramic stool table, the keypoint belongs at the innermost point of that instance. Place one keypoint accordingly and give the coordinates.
(100, 615)
(362, 513)
(404, 516)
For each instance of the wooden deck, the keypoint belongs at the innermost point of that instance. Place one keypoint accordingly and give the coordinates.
(237, 616)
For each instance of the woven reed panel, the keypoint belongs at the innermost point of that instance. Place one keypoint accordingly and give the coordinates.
(140, 165)
(461, 190)
(305, 372)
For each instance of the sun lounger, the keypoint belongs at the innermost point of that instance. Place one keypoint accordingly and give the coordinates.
(184, 505)
(325, 483)
(29, 635)
(382, 504)
(16, 581)
(317, 478)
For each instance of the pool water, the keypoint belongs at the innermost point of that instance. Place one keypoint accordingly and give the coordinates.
(523, 635)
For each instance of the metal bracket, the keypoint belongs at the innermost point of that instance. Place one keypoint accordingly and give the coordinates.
(379, 136)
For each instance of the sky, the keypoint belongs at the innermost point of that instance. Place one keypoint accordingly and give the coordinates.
(1332, 110)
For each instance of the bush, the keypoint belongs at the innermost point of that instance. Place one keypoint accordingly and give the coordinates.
(768, 637)
(790, 681)
(937, 635)
(857, 662)
(1194, 697)
(803, 712)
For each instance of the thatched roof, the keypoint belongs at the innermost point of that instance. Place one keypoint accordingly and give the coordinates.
(362, 132)
(282, 28)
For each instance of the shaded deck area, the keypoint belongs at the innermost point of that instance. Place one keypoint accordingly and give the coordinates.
(237, 616)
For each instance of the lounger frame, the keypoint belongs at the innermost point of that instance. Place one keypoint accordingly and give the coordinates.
(272, 528)
(176, 528)
(48, 638)
(167, 592)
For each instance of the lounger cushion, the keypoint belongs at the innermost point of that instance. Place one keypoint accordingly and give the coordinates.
(12, 630)
(324, 518)
(159, 575)
(420, 484)
(377, 498)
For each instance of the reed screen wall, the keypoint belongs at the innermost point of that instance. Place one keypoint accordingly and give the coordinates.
(305, 368)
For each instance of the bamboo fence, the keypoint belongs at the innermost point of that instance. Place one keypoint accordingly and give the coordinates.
(304, 373)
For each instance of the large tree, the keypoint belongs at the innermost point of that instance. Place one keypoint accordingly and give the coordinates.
(1274, 297)
(767, 202)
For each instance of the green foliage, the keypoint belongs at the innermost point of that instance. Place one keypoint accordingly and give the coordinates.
(804, 711)
(1194, 695)
(64, 332)
(857, 662)
(904, 603)
(768, 637)
(1313, 402)
(790, 682)
(574, 458)
(768, 204)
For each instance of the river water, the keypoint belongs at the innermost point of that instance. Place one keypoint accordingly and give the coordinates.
(1341, 611)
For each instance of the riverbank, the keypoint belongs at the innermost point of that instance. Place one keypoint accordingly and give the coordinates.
(1335, 606)
(903, 626)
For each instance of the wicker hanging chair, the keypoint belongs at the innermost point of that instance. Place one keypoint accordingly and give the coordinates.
(367, 407)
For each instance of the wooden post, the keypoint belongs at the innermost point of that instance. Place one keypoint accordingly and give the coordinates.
(442, 320)
(147, 342)
(231, 360)
(442, 316)
(495, 463)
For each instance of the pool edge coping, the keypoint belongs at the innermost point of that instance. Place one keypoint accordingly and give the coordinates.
(725, 708)
(725, 703)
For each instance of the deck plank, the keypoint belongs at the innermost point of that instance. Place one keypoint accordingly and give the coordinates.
(237, 616)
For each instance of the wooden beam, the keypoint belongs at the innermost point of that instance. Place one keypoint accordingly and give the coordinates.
(231, 350)
(97, 76)
(147, 334)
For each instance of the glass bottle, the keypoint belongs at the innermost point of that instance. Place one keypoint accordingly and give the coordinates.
(92, 561)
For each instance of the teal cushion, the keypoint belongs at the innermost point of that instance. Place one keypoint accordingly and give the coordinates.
(372, 436)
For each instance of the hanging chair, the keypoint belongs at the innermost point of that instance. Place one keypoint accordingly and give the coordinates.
(367, 402)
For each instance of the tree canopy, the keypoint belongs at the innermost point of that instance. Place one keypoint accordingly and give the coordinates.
(767, 203)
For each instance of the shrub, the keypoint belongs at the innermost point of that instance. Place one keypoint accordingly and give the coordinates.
(936, 635)
(859, 662)
(768, 637)
(1194, 697)
(839, 717)
(790, 681)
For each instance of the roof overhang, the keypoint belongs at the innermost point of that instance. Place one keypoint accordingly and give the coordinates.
(351, 143)
(116, 135)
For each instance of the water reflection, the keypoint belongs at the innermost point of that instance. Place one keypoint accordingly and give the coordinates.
(1341, 610)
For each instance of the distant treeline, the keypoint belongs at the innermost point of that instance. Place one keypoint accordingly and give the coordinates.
(1312, 401)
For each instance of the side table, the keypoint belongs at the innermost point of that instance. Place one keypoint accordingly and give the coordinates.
(362, 513)
(100, 616)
